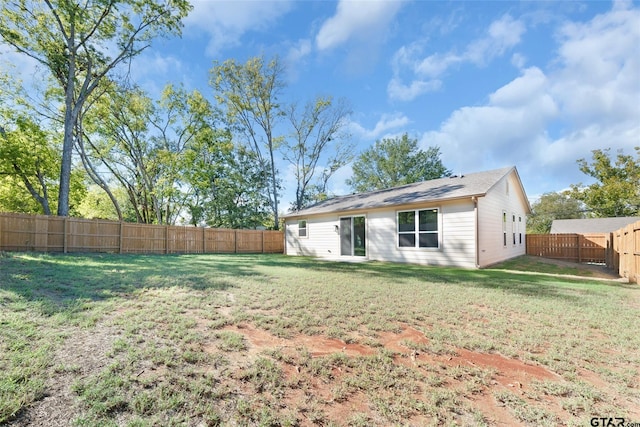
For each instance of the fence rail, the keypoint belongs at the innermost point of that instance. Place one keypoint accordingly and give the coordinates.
(20, 232)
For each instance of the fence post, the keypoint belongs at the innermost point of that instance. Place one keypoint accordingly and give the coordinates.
(235, 241)
(64, 235)
(121, 234)
(166, 239)
(580, 240)
(263, 231)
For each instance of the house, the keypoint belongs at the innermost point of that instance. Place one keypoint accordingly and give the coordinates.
(472, 220)
(592, 225)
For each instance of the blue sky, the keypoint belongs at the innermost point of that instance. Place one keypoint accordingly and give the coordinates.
(535, 84)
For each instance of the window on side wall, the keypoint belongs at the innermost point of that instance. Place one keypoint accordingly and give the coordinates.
(520, 228)
(504, 228)
(302, 228)
(418, 229)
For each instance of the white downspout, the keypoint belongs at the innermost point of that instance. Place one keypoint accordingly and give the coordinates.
(474, 199)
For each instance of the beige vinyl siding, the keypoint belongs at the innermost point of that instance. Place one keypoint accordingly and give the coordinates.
(321, 240)
(457, 237)
(490, 210)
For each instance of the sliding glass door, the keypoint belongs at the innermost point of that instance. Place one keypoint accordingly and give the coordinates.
(353, 236)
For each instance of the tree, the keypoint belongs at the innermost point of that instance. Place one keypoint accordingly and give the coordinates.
(317, 135)
(250, 93)
(79, 43)
(97, 204)
(552, 206)
(231, 193)
(148, 146)
(27, 155)
(395, 161)
(617, 190)
(116, 136)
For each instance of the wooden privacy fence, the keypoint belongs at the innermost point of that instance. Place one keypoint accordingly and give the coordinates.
(590, 248)
(619, 250)
(19, 232)
(626, 252)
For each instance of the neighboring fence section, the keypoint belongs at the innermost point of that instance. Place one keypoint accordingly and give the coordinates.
(590, 248)
(626, 252)
(619, 250)
(42, 233)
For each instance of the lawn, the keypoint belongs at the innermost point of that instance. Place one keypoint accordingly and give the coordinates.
(289, 341)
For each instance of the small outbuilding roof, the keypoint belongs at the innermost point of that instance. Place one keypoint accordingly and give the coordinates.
(441, 189)
(591, 225)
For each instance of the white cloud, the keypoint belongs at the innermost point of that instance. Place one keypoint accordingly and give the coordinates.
(226, 21)
(599, 68)
(425, 72)
(296, 54)
(356, 19)
(544, 122)
(400, 91)
(299, 50)
(500, 131)
(385, 124)
(518, 60)
(503, 34)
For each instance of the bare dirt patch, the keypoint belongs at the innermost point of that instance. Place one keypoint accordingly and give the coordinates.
(506, 373)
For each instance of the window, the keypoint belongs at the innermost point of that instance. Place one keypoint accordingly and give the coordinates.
(504, 228)
(520, 228)
(302, 228)
(418, 228)
(513, 228)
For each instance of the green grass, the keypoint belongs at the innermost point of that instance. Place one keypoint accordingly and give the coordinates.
(169, 358)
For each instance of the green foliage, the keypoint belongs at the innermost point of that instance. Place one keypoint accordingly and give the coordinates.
(552, 206)
(28, 155)
(392, 162)
(117, 137)
(96, 204)
(79, 43)
(617, 190)
(230, 192)
(174, 155)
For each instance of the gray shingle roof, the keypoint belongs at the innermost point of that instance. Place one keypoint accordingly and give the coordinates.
(473, 184)
(591, 225)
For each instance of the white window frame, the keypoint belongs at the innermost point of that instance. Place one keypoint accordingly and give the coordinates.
(520, 229)
(504, 229)
(305, 228)
(416, 232)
